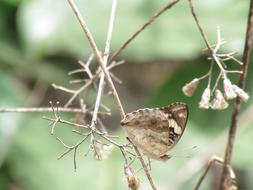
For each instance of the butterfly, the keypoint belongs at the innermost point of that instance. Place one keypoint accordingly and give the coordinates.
(156, 130)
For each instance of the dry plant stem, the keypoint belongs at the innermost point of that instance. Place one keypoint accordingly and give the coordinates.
(209, 47)
(86, 85)
(106, 73)
(46, 109)
(199, 159)
(144, 167)
(97, 54)
(59, 120)
(106, 55)
(76, 93)
(209, 164)
(149, 22)
(241, 84)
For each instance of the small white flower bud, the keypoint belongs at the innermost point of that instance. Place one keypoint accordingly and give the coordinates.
(219, 102)
(205, 98)
(228, 89)
(241, 93)
(189, 88)
(132, 180)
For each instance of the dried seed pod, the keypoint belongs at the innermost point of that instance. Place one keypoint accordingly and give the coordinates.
(205, 98)
(101, 151)
(132, 180)
(219, 102)
(241, 93)
(228, 89)
(189, 88)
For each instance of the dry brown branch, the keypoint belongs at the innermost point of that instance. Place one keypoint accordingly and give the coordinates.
(143, 27)
(105, 71)
(39, 109)
(209, 47)
(213, 160)
(97, 54)
(106, 55)
(144, 166)
(195, 164)
(225, 180)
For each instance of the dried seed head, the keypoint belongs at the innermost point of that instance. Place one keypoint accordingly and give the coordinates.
(205, 98)
(189, 88)
(132, 180)
(228, 89)
(101, 151)
(241, 93)
(219, 102)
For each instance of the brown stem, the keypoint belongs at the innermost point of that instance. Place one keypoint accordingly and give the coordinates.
(209, 47)
(144, 167)
(225, 178)
(212, 160)
(106, 74)
(106, 55)
(143, 27)
(46, 109)
(97, 54)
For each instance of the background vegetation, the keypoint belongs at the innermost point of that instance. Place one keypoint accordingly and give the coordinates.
(40, 41)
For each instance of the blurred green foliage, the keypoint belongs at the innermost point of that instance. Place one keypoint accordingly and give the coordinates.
(39, 41)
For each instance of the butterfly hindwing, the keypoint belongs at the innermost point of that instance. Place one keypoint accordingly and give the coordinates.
(177, 114)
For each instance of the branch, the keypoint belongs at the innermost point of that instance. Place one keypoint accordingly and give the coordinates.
(209, 47)
(97, 54)
(191, 168)
(235, 115)
(148, 23)
(45, 109)
(106, 55)
(144, 167)
(106, 74)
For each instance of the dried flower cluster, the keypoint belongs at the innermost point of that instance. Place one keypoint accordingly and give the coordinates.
(214, 98)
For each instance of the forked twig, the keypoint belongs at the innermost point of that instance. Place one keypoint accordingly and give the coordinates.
(97, 54)
(105, 71)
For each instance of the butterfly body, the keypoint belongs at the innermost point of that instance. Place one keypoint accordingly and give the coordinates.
(155, 131)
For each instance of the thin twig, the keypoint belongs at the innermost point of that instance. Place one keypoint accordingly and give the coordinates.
(106, 73)
(86, 85)
(40, 109)
(143, 27)
(212, 160)
(106, 55)
(209, 47)
(195, 164)
(63, 88)
(145, 168)
(225, 182)
(97, 54)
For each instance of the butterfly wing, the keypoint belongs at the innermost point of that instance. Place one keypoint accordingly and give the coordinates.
(177, 114)
(156, 130)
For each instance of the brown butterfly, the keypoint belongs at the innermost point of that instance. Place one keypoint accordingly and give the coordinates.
(156, 130)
